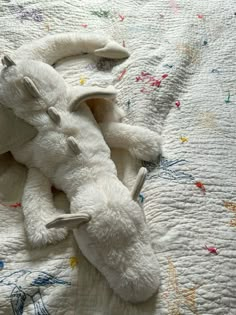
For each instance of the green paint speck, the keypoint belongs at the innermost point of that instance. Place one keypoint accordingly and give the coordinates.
(101, 13)
(227, 100)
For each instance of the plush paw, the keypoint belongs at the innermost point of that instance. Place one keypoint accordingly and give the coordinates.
(147, 145)
(41, 236)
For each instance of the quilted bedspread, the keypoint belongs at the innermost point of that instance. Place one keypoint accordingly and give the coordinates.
(179, 81)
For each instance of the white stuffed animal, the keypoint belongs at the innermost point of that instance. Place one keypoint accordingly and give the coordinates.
(70, 151)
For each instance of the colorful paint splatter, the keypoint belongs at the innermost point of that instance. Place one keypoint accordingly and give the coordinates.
(149, 82)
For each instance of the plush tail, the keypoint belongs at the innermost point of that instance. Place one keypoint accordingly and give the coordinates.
(52, 48)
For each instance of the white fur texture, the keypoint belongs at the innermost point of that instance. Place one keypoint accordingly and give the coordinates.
(54, 47)
(116, 240)
(51, 49)
(140, 142)
(36, 198)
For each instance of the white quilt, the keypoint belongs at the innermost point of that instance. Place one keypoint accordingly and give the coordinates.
(180, 80)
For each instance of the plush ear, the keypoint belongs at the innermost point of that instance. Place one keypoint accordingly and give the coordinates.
(31, 87)
(139, 183)
(7, 61)
(81, 94)
(70, 221)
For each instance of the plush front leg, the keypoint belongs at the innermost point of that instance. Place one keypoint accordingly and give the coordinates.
(38, 209)
(141, 142)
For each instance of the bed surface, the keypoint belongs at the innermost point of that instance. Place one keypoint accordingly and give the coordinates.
(179, 80)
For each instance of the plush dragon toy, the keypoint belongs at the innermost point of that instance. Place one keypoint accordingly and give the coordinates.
(71, 151)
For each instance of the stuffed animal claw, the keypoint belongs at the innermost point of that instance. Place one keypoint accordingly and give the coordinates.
(31, 87)
(7, 61)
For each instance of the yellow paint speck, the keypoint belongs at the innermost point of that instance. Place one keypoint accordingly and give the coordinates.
(47, 27)
(183, 139)
(82, 80)
(73, 262)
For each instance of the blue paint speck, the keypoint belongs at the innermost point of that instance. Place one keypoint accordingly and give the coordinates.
(128, 104)
(141, 198)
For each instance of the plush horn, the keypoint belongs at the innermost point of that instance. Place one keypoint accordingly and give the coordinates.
(69, 220)
(31, 87)
(7, 61)
(54, 115)
(139, 183)
(73, 145)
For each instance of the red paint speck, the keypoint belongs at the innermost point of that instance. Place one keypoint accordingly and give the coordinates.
(201, 186)
(156, 83)
(144, 74)
(122, 17)
(122, 74)
(177, 103)
(16, 205)
(212, 250)
(143, 90)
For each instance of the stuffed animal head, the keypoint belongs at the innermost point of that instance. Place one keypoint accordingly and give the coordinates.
(28, 86)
